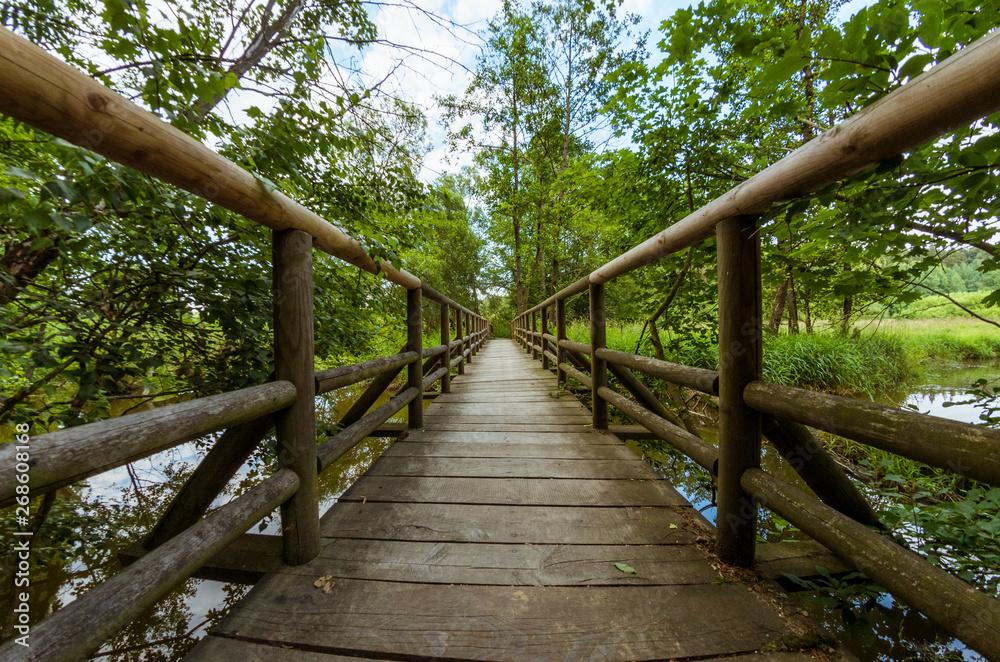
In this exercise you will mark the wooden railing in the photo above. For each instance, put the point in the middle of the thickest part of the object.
(41, 91)
(955, 93)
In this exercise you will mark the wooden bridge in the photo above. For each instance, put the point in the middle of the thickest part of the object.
(493, 533)
(494, 530)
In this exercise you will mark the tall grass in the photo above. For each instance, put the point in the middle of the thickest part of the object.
(957, 339)
(866, 364)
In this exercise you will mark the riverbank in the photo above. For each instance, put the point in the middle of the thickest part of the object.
(882, 355)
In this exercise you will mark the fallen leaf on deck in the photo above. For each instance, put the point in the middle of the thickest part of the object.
(625, 567)
(325, 583)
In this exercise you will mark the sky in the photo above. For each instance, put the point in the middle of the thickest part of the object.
(456, 48)
(451, 52)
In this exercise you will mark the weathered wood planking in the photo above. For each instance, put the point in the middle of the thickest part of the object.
(512, 437)
(508, 622)
(494, 533)
(561, 451)
(446, 522)
(491, 467)
(512, 491)
(509, 565)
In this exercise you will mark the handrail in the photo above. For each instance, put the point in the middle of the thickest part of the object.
(46, 93)
(75, 631)
(72, 454)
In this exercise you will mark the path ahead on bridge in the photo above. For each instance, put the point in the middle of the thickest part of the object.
(494, 533)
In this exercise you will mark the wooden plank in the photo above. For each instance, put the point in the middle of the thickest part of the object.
(509, 524)
(507, 427)
(584, 436)
(555, 451)
(493, 396)
(630, 468)
(513, 491)
(504, 622)
(509, 565)
(505, 419)
(214, 649)
(446, 407)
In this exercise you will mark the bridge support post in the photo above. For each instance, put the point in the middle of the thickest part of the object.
(415, 370)
(293, 361)
(560, 336)
(459, 334)
(525, 329)
(470, 343)
(534, 330)
(545, 343)
(446, 355)
(740, 362)
(598, 367)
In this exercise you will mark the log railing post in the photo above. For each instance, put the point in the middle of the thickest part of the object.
(470, 343)
(534, 330)
(740, 363)
(544, 342)
(446, 355)
(293, 361)
(415, 343)
(560, 336)
(525, 328)
(459, 334)
(598, 367)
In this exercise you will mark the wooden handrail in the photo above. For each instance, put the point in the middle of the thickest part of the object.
(71, 454)
(962, 448)
(47, 93)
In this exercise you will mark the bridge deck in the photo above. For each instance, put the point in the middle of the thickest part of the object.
(494, 533)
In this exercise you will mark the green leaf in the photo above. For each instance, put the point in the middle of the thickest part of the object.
(783, 69)
(21, 173)
(59, 189)
(11, 194)
(626, 568)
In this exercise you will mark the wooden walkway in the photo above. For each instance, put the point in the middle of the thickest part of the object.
(494, 533)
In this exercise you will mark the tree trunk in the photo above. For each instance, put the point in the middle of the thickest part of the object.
(778, 310)
(845, 322)
(793, 311)
(809, 321)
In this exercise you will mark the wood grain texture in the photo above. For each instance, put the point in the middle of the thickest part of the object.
(574, 436)
(443, 522)
(632, 468)
(554, 451)
(513, 491)
(510, 622)
(490, 564)
(66, 456)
